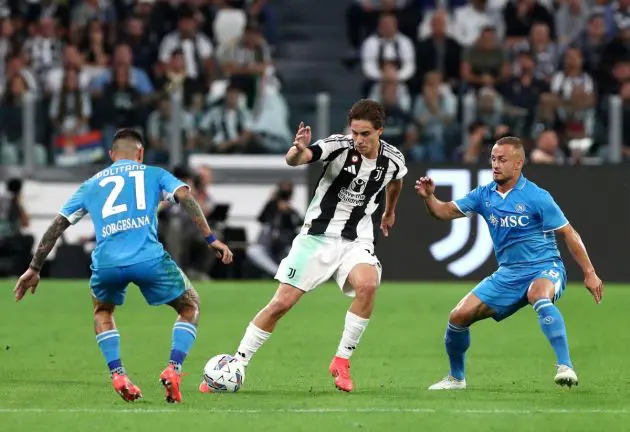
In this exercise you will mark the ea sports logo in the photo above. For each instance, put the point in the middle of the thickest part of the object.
(358, 185)
(461, 229)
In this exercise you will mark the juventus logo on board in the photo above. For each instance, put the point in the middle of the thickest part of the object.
(459, 180)
(351, 169)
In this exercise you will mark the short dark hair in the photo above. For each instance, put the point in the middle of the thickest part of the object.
(370, 110)
(129, 134)
(14, 185)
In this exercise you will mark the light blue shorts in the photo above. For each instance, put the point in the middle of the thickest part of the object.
(505, 291)
(160, 280)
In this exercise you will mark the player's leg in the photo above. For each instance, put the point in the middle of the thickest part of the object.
(308, 264)
(364, 280)
(108, 290)
(184, 332)
(541, 294)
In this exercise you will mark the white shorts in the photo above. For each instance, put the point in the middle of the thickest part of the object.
(313, 260)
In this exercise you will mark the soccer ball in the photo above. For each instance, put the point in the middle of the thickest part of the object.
(224, 373)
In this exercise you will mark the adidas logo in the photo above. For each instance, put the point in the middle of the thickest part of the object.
(351, 169)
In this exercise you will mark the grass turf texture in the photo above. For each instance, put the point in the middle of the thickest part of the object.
(54, 378)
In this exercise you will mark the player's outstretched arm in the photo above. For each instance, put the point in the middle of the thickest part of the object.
(299, 153)
(576, 246)
(441, 210)
(30, 278)
(186, 200)
(392, 192)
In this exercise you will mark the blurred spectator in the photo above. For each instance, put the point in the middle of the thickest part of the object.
(362, 17)
(388, 45)
(390, 74)
(70, 113)
(43, 51)
(398, 127)
(547, 149)
(617, 51)
(470, 20)
(15, 66)
(95, 48)
(621, 11)
(261, 12)
(8, 44)
(490, 124)
(592, 42)
(246, 60)
(123, 61)
(36, 10)
(71, 60)
(485, 63)
(544, 51)
(15, 247)
(434, 109)
(159, 130)
(523, 91)
(439, 52)
(11, 125)
(575, 91)
(280, 224)
(175, 78)
(85, 11)
(571, 16)
(520, 15)
(227, 127)
(196, 46)
(143, 50)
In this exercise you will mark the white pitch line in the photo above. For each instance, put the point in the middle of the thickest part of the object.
(307, 411)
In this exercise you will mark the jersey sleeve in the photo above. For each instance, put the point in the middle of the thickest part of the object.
(470, 203)
(75, 209)
(169, 184)
(327, 149)
(552, 216)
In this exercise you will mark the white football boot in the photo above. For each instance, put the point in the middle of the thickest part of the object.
(566, 376)
(449, 383)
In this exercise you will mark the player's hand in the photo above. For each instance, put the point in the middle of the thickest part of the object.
(387, 222)
(302, 137)
(594, 284)
(222, 251)
(425, 187)
(28, 280)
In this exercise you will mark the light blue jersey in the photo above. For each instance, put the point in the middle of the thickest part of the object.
(522, 224)
(122, 201)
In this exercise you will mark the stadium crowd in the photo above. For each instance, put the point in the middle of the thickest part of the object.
(93, 66)
(539, 69)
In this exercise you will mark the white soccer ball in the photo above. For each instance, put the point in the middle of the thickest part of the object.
(224, 373)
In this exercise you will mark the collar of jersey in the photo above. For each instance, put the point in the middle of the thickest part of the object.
(520, 184)
(123, 161)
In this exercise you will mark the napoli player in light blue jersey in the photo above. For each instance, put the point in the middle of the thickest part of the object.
(523, 220)
(122, 201)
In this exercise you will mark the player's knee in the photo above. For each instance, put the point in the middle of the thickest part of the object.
(281, 303)
(539, 290)
(366, 288)
(460, 317)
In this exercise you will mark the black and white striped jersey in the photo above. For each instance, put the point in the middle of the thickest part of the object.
(349, 189)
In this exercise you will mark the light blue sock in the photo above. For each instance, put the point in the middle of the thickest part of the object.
(184, 335)
(457, 341)
(553, 327)
(109, 344)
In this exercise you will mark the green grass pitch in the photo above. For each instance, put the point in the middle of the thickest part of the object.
(53, 378)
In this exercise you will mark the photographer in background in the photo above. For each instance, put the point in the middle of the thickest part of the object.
(15, 247)
(280, 224)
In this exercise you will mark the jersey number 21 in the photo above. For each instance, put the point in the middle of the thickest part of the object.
(109, 208)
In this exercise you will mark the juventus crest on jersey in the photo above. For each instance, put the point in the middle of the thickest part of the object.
(349, 189)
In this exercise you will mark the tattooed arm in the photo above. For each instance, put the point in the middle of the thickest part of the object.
(30, 278)
(52, 234)
(187, 201)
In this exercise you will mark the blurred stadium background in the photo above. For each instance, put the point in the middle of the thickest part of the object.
(218, 87)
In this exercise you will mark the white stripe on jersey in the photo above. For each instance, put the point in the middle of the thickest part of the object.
(346, 194)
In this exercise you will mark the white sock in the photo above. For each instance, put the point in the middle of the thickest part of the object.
(352, 331)
(252, 340)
